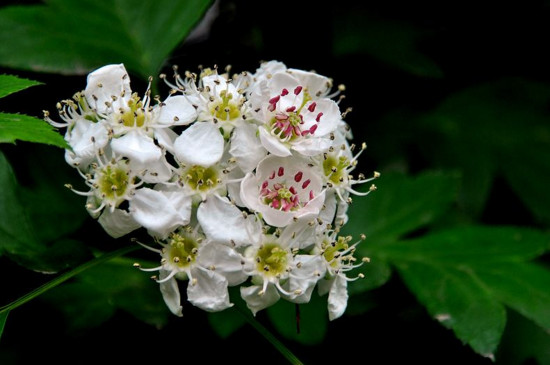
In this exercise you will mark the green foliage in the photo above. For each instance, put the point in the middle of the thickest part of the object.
(465, 135)
(26, 233)
(95, 295)
(226, 322)
(10, 84)
(3, 318)
(83, 35)
(22, 127)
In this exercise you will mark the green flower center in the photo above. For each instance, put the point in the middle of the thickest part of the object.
(335, 168)
(201, 178)
(113, 182)
(272, 259)
(182, 250)
(134, 116)
(332, 250)
(227, 108)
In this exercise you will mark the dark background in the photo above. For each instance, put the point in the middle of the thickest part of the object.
(471, 42)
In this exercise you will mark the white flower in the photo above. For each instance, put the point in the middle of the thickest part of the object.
(133, 123)
(277, 270)
(338, 259)
(209, 267)
(218, 99)
(291, 120)
(283, 190)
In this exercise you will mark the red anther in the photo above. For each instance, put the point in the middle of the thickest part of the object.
(292, 190)
(264, 184)
(298, 90)
(281, 171)
(311, 195)
(275, 204)
(313, 129)
(297, 131)
(272, 176)
(284, 92)
(290, 109)
(281, 116)
(298, 176)
(277, 186)
(306, 183)
(286, 205)
(319, 117)
(312, 106)
(274, 100)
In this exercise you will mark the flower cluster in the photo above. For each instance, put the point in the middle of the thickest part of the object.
(240, 181)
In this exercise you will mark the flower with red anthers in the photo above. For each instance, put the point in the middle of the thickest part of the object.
(283, 190)
(292, 119)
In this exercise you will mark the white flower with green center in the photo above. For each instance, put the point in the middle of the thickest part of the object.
(291, 120)
(133, 123)
(337, 255)
(278, 271)
(337, 165)
(218, 99)
(85, 133)
(210, 268)
(283, 190)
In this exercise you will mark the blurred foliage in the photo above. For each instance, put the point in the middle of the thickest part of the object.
(453, 100)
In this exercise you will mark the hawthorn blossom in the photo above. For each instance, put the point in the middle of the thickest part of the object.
(209, 267)
(291, 120)
(283, 190)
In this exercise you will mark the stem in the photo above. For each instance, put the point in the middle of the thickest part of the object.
(66, 276)
(269, 336)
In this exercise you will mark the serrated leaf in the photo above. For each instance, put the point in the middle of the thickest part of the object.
(401, 205)
(458, 301)
(471, 245)
(313, 320)
(465, 276)
(139, 34)
(390, 41)
(10, 84)
(496, 127)
(29, 129)
(521, 286)
(18, 237)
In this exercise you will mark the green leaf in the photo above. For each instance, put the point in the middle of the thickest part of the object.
(498, 127)
(139, 34)
(391, 41)
(400, 206)
(458, 301)
(523, 343)
(18, 237)
(313, 320)
(3, 318)
(25, 128)
(377, 272)
(10, 84)
(521, 286)
(226, 322)
(466, 275)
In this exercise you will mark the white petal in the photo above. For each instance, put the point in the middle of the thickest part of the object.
(250, 191)
(208, 291)
(315, 83)
(117, 223)
(136, 146)
(312, 146)
(165, 138)
(246, 147)
(304, 278)
(273, 144)
(153, 172)
(87, 137)
(337, 297)
(226, 260)
(106, 82)
(222, 221)
(200, 144)
(312, 208)
(171, 293)
(160, 212)
(176, 110)
(256, 302)
(328, 122)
